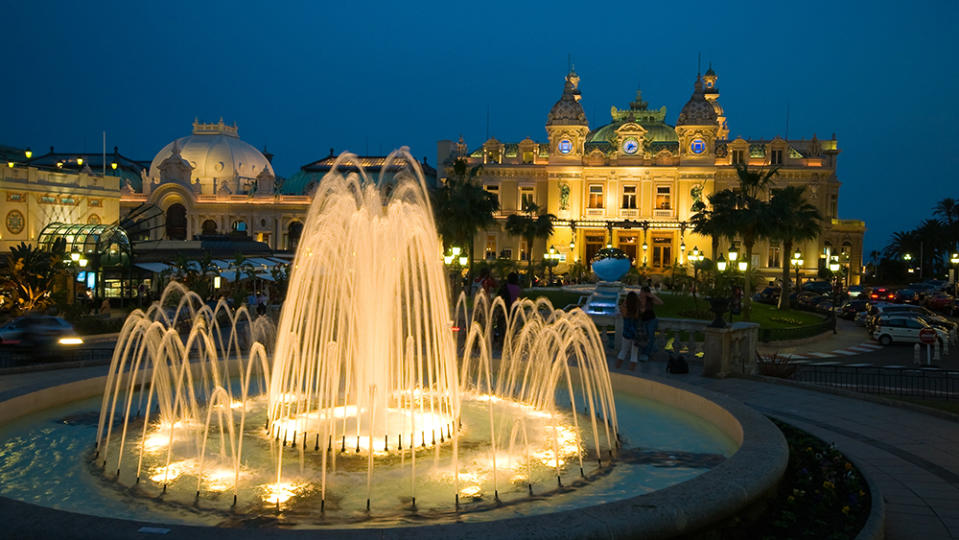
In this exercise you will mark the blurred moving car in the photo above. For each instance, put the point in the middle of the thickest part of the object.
(901, 329)
(807, 299)
(42, 333)
(856, 292)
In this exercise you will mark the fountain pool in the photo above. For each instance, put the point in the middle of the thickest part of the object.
(370, 403)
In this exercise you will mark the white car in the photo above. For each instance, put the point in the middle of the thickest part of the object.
(904, 329)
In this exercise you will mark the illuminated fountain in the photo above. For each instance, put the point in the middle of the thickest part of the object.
(368, 396)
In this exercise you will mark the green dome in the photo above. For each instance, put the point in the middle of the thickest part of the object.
(655, 132)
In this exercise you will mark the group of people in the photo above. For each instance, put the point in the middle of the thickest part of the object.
(257, 302)
(510, 291)
(639, 323)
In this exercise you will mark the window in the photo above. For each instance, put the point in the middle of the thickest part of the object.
(493, 190)
(95, 202)
(525, 197)
(776, 158)
(506, 253)
(629, 197)
(662, 198)
(774, 257)
(176, 222)
(662, 252)
(523, 252)
(293, 232)
(595, 196)
(490, 246)
(739, 157)
(833, 205)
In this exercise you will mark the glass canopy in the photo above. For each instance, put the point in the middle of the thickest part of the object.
(107, 245)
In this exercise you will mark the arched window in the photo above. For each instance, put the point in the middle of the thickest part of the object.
(209, 227)
(176, 222)
(294, 231)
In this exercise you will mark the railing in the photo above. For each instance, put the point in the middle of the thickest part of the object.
(929, 383)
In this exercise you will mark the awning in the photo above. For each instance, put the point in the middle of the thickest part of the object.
(155, 267)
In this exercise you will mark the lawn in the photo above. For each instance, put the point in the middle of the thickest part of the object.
(684, 307)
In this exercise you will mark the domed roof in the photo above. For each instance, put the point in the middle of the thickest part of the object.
(567, 111)
(655, 132)
(215, 151)
(697, 111)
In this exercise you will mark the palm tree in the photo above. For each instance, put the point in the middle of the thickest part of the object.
(793, 220)
(30, 273)
(530, 225)
(461, 207)
(948, 209)
(716, 222)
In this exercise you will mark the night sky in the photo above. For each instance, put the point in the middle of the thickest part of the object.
(303, 77)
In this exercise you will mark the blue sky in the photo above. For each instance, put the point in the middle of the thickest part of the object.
(302, 77)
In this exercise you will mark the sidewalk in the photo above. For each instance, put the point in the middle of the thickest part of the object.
(911, 456)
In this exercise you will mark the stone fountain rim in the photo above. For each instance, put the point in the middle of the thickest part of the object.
(751, 473)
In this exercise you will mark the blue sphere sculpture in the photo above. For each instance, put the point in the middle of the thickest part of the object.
(610, 264)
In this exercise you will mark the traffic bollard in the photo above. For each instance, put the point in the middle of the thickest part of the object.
(915, 354)
(935, 353)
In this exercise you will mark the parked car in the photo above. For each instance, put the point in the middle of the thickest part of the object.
(906, 296)
(769, 295)
(807, 299)
(882, 294)
(821, 287)
(938, 284)
(823, 305)
(850, 309)
(39, 333)
(940, 301)
(900, 329)
(920, 311)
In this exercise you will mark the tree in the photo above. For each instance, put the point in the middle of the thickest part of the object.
(530, 225)
(461, 207)
(793, 220)
(30, 274)
(715, 221)
(948, 209)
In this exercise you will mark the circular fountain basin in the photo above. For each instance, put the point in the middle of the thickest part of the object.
(688, 461)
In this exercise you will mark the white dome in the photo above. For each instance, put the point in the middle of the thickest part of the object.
(214, 151)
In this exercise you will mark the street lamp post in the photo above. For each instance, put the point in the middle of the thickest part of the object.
(797, 262)
(694, 257)
(836, 290)
(955, 276)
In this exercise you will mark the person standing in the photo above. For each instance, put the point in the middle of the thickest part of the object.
(648, 320)
(630, 312)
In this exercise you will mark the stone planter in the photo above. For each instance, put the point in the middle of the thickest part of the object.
(718, 306)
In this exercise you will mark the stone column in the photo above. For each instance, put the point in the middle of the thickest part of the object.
(731, 350)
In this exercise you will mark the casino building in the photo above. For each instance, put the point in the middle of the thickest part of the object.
(632, 181)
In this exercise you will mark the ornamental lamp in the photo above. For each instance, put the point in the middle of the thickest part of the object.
(216, 282)
(456, 251)
(743, 265)
(10, 164)
(955, 258)
(721, 264)
(834, 264)
(733, 253)
(448, 259)
(75, 256)
(80, 161)
(83, 262)
(113, 165)
(28, 153)
(463, 260)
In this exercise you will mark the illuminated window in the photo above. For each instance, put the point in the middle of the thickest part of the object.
(565, 146)
(595, 196)
(739, 157)
(662, 198)
(774, 257)
(525, 197)
(490, 246)
(629, 197)
(698, 146)
(523, 252)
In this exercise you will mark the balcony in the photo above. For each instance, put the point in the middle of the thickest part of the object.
(595, 212)
(628, 213)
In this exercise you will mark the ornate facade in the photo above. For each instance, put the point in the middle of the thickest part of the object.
(633, 181)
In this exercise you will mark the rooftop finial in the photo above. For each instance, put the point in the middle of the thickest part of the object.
(699, 63)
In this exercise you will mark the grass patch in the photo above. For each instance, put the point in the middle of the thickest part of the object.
(681, 306)
(822, 495)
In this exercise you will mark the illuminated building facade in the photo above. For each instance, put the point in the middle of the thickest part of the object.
(633, 182)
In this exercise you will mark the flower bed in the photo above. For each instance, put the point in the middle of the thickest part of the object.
(822, 495)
